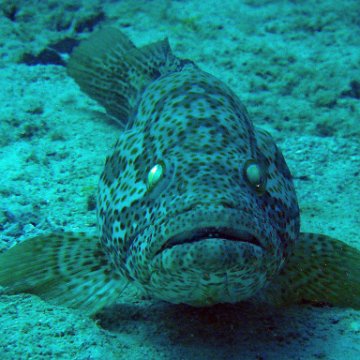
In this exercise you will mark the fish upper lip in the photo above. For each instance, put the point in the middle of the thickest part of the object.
(211, 232)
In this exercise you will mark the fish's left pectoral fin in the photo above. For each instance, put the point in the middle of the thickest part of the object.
(320, 270)
(67, 269)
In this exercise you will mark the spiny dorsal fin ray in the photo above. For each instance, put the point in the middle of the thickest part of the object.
(111, 70)
(321, 269)
(65, 268)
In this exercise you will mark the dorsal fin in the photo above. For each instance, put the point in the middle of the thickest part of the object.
(110, 69)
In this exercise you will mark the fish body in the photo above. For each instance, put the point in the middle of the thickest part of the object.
(195, 204)
(204, 233)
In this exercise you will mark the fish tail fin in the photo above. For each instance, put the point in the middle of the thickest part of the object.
(321, 270)
(65, 268)
(113, 71)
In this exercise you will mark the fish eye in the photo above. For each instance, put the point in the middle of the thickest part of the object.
(255, 176)
(155, 175)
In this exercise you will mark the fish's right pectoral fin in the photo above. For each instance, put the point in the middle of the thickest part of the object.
(64, 268)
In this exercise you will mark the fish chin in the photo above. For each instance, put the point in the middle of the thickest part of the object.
(208, 271)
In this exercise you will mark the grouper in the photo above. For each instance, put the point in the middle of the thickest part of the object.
(195, 204)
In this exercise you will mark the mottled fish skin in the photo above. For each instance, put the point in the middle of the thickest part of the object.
(198, 130)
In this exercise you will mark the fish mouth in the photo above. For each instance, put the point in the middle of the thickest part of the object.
(206, 233)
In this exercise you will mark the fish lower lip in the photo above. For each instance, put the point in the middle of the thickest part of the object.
(211, 233)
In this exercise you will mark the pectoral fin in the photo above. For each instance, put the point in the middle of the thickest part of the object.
(321, 269)
(65, 268)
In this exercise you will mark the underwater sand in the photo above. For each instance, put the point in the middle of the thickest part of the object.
(295, 65)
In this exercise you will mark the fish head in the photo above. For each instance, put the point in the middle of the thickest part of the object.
(195, 205)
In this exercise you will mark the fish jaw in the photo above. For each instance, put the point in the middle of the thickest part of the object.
(212, 255)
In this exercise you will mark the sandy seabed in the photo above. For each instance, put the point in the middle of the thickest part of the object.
(295, 65)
